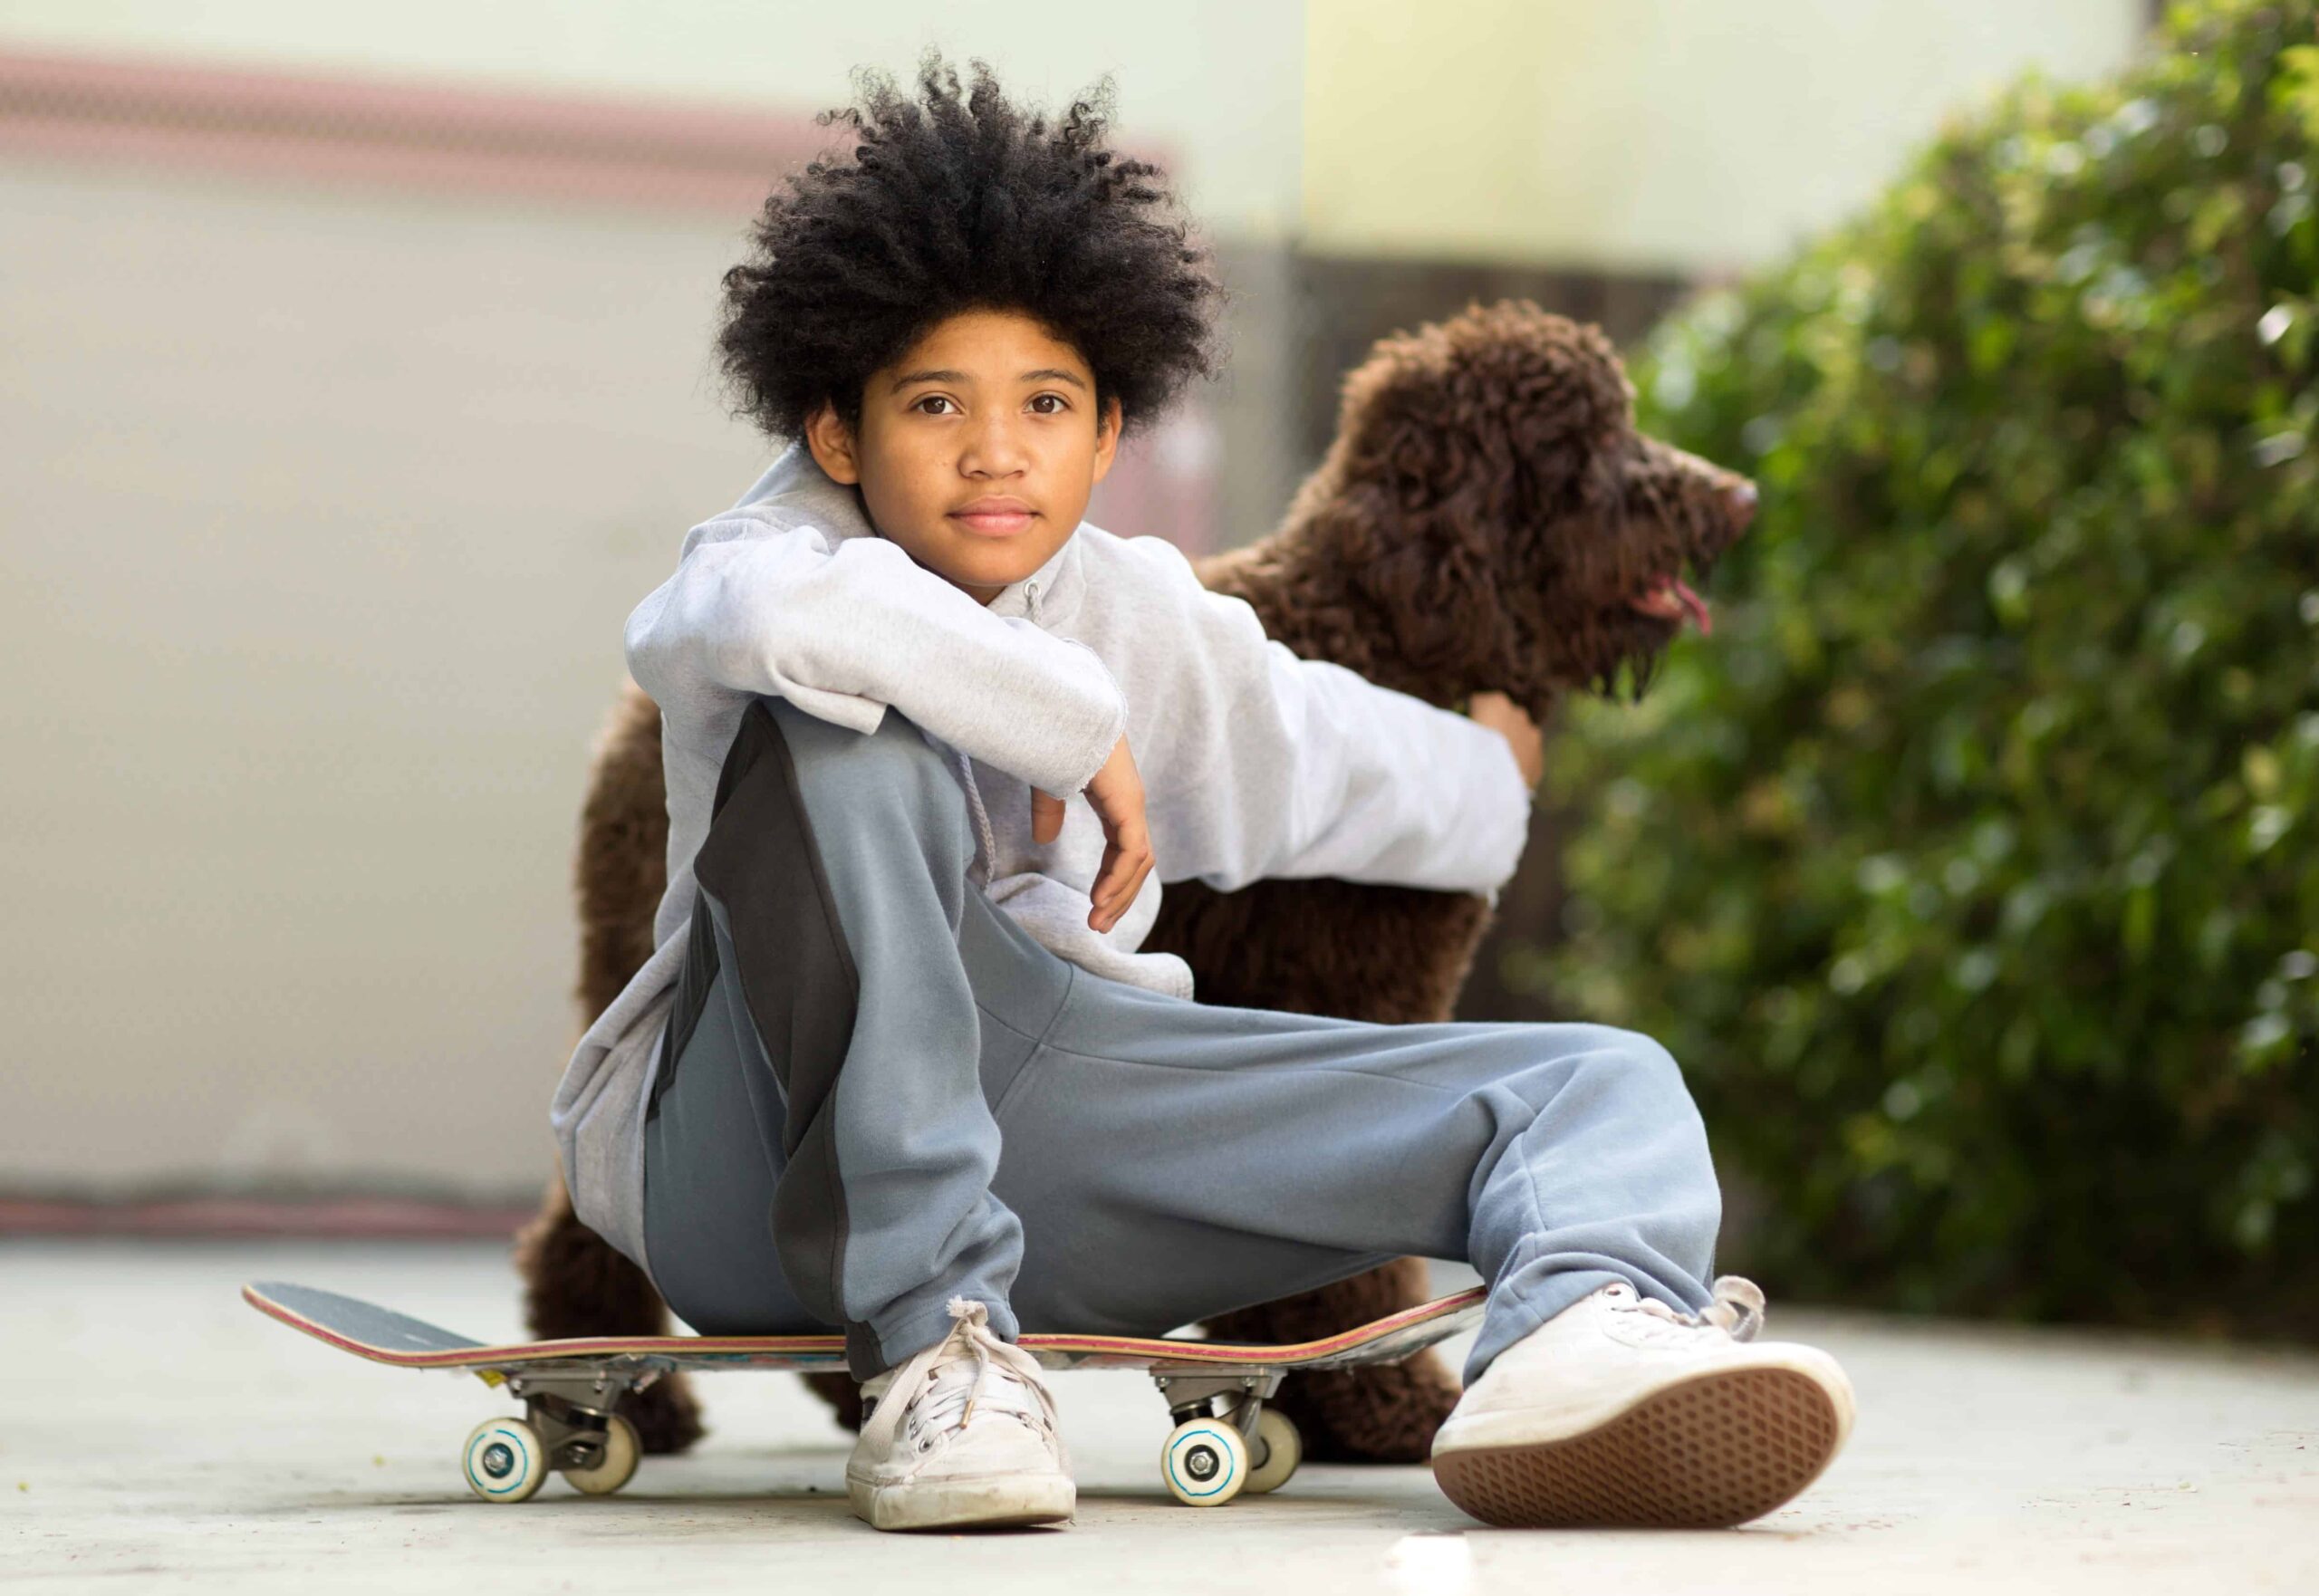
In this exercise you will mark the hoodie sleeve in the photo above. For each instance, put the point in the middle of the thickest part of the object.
(843, 632)
(1256, 763)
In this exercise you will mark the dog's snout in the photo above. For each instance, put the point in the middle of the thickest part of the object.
(1742, 500)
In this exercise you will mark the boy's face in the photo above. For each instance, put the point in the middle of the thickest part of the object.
(988, 405)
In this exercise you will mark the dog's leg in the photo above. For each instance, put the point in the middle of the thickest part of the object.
(841, 1394)
(575, 1285)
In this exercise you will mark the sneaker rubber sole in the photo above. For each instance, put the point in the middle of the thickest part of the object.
(1002, 1503)
(1715, 1450)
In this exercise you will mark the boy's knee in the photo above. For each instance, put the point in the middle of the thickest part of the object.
(870, 774)
(1650, 1091)
(1643, 1068)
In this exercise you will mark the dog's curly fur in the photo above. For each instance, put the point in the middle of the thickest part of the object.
(1481, 523)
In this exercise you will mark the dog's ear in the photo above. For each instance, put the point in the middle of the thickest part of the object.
(1566, 404)
(1482, 458)
(1437, 557)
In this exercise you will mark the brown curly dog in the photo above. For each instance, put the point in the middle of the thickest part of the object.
(1487, 519)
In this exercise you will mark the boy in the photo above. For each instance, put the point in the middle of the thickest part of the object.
(910, 706)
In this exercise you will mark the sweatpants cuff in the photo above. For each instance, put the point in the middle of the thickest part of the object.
(872, 1350)
(1510, 1315)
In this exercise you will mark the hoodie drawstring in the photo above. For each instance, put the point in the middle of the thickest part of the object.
(989, 839)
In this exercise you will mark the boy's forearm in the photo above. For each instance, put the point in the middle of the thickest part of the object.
(1050, 718)
(843, 634)
(1464, 789)
(1369, 784)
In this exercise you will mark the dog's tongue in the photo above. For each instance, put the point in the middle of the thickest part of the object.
(1696, 605)
(1674, 598)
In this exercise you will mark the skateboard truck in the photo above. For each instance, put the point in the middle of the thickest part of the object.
(1193, 1395)
(571, 1426)
(572, 1413)
(1226, 1440)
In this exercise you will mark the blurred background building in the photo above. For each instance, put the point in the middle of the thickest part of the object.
(354, 381)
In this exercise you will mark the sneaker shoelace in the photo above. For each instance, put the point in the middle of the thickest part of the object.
(1735, 1308)
(974, 1369)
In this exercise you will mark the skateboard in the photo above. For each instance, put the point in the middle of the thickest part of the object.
(1224, 1442)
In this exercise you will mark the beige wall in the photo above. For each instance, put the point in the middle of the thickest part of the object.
(1214, 83)
(320, 514)
(1645, 135)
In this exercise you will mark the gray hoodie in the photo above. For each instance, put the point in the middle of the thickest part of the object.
(1255, 763)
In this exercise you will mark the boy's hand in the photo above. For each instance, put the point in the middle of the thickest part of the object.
(1116, 795)
(1502, 716)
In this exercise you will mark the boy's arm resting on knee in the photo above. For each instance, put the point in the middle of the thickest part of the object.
(842, 632)
(1259, 762)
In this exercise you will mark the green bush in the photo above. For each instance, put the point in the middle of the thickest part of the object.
(1972, 866)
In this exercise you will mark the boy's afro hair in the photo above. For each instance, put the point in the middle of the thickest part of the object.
(958, 203)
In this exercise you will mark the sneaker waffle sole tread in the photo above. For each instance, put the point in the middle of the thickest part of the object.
(1715, 1451)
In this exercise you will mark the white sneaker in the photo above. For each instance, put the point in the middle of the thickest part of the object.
(963, 1432)
(1620, 1411)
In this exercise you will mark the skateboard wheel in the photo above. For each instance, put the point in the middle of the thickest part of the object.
(1279, 1450)
(505, 1460)
(616, 1466)
(1205, 1462)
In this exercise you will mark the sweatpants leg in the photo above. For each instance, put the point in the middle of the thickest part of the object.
(1171, 1160)
(1080, 1153)
(819, 1138)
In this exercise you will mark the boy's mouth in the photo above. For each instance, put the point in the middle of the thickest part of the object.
(994, 523)
(994, 514)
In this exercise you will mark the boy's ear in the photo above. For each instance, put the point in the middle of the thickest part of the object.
(1107, 435)
(833, 445)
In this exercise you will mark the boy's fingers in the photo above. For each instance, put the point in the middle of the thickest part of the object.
(1120, 894)
(1115, 886)
(1123, 857)
(1100, 899)
(1119, 886)
(1117, 902)
(1117, 865)
(1117, 797)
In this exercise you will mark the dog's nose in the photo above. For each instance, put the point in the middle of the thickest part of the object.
(1742, 506)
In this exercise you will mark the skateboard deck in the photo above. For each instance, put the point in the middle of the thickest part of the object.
(385, 1336)
(1225, 1441)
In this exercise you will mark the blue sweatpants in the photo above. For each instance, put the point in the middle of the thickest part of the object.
(876, 1092)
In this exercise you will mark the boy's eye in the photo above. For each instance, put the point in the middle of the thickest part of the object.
(1059, 405)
